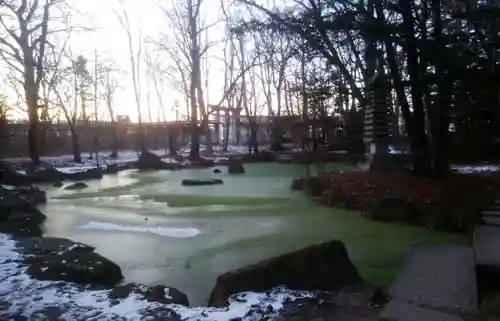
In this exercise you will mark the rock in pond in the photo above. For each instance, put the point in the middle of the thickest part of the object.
(201, 181)
(217, 171)
(235, 166)
(319, 267)
(158, 293)
(57, 184)
(76, 186)
(63, 260)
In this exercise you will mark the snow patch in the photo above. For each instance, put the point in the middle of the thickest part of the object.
(77, 169)
(9, 187)
(476, 169)
(30, 297)
(175, 232)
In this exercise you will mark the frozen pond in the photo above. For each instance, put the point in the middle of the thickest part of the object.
(160, 232)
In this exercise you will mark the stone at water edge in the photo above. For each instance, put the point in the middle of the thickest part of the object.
(9, 176)
(22, 194)
(235, 166)
(319, 267)
(21, 221)
(50, 245)
(74, 266)
(217, 171)
(76, 186)
(158, 293)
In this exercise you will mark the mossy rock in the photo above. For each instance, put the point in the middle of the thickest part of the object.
(201, 181)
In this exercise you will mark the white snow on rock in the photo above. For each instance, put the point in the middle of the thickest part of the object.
(29, 297)
(175, 232)
(472, 169)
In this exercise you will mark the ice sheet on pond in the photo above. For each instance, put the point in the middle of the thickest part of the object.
(176, 232)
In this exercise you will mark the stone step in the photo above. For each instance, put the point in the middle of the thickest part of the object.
(491, 220)
(487, 247)
(398, 310)
(441, 277)
(491, 213)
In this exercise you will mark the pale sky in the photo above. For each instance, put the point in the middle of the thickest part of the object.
(109, 40)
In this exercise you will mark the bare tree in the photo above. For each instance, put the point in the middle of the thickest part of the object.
(4, 114)
(135, 67)
(65, 85)
(108, 77)
(23, 40)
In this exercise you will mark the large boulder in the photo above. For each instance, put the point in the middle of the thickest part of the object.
(158, 293)
(44, 175)
(63, 260)
(20, 219)
(201, 181)
(36, 246)
(9, 176)
(319, 267)
(22, 194)
(235, 166)
(93, 173)
(149, 161)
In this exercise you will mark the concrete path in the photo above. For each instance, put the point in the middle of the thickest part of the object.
(398, 310)
(441, 277)
(487, 246)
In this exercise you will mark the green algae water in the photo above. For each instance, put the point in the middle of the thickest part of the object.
(160, 232)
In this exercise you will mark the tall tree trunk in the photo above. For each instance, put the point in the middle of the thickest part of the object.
(439, 117)
(33, 118)
(75, 145)
(195, 61)
(422, 163)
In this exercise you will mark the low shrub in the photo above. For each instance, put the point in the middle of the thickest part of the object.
(451, 204)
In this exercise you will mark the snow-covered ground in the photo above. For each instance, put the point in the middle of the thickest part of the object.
(474, 169)
(30, 297)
